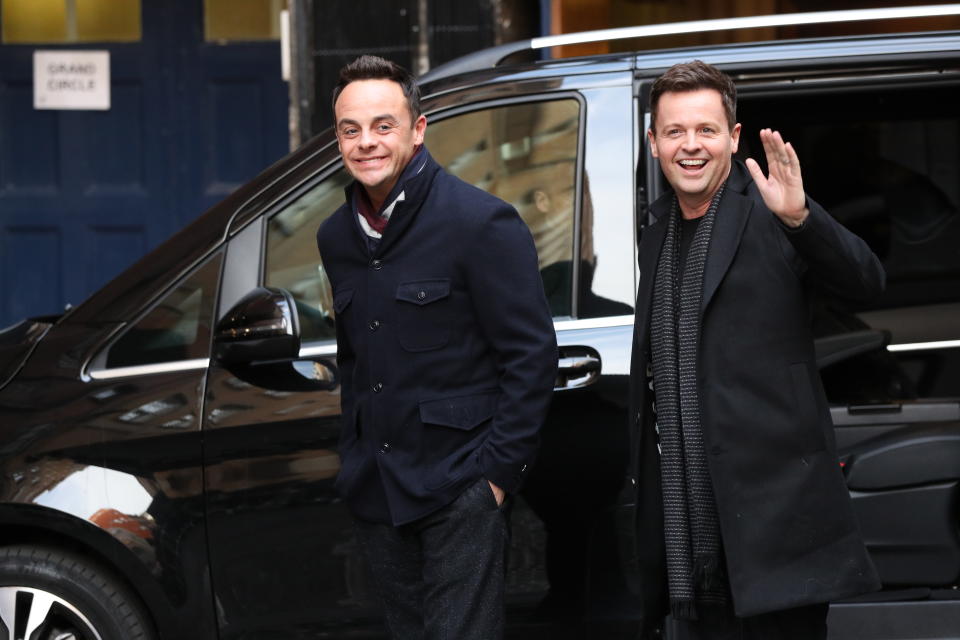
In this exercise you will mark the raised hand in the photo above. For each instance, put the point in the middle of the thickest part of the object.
(782, 191)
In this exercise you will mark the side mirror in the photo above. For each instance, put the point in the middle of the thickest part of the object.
(261, 326)
(258, 341)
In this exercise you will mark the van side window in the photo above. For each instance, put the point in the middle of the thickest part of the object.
(178, 327)
(525, 154)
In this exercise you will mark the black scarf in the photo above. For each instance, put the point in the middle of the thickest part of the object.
(691, 526)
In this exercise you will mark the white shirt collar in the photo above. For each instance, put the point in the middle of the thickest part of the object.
(370, 231)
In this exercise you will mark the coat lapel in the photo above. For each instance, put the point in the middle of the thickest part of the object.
(731, 220)
(651, 243)
(349, 216)
(415, 185)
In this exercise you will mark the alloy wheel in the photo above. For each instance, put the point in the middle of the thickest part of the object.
(33, 614)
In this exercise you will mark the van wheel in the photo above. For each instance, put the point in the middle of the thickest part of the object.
(49, 594)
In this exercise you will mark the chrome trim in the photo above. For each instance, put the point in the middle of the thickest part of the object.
(147, 369)
(329, 349)
(593, 323)
(192, 365)
(752, 22)
(921, 346)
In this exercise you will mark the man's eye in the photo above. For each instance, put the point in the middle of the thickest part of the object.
(673, 133)
(349, 132)
(384, 127)
(708, 130)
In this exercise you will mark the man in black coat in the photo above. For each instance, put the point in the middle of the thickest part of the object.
(755, 525)
(448, 359)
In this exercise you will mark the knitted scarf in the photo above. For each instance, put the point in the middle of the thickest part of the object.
(691, 526)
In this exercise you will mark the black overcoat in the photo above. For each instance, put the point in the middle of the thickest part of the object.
(445, 344)
(789, 532)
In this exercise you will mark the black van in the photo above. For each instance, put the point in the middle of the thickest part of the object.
(168, 447)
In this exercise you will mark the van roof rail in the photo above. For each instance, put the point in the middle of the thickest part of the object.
(493, 56)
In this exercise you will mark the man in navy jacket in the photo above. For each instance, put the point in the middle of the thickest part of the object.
(448, 359)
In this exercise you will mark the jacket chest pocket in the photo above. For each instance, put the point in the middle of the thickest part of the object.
(423, 316)
(346, 315)
(341, 301)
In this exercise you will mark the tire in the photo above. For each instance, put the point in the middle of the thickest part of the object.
(49, 594)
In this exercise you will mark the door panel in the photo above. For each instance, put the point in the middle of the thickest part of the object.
(234, 112)
(28, 163)
(24, 238)
(189, 122)
(79, 178)
(282, 553)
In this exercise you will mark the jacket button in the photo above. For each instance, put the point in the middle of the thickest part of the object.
(374, 325)
(421, 295)
(385, 448)
(377, 265)
(377, 388)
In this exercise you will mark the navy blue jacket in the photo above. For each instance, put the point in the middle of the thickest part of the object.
(445, 344)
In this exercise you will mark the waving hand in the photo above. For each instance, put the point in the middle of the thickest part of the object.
(782, 191)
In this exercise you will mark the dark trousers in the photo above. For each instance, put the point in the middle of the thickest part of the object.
(801, 623)
(442, 577)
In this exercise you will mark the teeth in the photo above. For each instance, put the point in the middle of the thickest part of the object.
(693, 163)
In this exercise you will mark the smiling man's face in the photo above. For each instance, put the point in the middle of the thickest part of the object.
(694, 143)
(376, 134)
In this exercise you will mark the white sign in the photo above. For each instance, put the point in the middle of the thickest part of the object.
(71, 79)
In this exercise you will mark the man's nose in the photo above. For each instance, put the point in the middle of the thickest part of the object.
(691, 140)
(367, 138)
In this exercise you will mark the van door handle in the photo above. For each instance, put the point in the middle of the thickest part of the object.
(577, 367)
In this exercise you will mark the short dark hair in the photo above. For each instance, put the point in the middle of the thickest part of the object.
(693, 76)
(377, 68)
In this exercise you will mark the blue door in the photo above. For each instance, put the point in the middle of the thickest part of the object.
(83, 194)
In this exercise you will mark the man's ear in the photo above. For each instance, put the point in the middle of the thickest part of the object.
(735, 138)
(419, 127)
(653, 142)
(542, 201)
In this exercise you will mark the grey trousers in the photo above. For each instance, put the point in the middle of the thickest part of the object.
(442, 577)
